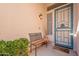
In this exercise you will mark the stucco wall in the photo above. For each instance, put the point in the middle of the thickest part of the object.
(17, 20)
(76, 20)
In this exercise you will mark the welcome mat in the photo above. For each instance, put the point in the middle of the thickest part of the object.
(66, 50)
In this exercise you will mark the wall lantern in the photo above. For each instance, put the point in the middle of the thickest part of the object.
(40, 16)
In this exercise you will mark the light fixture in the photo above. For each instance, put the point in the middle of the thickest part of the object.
(40, 16)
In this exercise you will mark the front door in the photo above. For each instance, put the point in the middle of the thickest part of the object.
(64, 26)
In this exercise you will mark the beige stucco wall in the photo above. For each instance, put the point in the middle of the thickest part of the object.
(76, 20)
(17, 20)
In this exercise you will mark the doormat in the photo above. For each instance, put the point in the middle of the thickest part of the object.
(66, 50)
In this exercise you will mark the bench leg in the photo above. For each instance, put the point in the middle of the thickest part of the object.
(31, 48)
(35, 50)
(46, 44)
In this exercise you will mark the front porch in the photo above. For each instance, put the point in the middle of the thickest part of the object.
(50, 51)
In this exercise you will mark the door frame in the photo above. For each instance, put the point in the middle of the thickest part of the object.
(69, 5)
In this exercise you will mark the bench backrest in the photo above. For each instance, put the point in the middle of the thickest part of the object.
(35, 36)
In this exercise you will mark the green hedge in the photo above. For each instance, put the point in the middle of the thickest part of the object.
(18, 47)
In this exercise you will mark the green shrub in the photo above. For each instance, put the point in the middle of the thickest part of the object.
(18, 47)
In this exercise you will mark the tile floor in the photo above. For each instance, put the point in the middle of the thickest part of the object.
(49, 51)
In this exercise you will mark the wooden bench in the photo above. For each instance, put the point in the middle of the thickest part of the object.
(36, 39)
